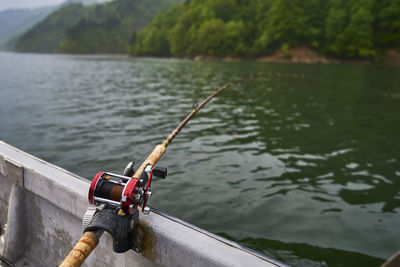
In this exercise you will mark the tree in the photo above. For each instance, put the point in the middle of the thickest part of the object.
(349, 28)
(358, 35)
(152, 40)
(342, 28)
(286, 22)
(387, 30)
(210, 37)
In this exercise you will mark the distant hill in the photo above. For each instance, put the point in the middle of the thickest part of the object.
(46, 35)
(86, 2)
(16, 21)
(101, 28)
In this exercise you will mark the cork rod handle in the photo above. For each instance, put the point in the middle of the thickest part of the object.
(152, 159)
(81, 251)
(89, 240)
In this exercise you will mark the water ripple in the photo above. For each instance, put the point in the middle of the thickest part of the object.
(311, 160)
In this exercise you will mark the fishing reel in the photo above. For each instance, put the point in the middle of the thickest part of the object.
(115, 200)
(123, 192)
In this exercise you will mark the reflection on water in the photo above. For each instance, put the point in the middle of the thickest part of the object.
(297, 254)
(308, 154)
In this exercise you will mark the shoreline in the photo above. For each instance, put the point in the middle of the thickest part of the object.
(296, 55)
(304, 55)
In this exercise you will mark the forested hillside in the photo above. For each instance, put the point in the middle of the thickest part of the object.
(341, 28)
(102, 28)
(46, 36)
(14, 22)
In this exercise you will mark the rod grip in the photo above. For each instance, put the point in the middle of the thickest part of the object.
(81, 251)
(152, 159)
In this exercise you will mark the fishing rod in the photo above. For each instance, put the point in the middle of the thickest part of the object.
(115, 199)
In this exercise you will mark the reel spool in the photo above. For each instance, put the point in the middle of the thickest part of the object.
(123, 192)
(116, 191)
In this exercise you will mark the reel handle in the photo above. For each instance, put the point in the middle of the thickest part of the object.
(82, 250)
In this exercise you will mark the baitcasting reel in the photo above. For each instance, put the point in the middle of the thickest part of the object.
(116, 199)
(123, 192)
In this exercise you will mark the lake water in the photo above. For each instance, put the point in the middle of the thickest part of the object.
(302, 164)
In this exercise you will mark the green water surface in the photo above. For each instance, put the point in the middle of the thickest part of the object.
(302, 164)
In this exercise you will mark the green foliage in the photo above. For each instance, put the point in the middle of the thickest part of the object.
(152, 40)
(387, 27)
(90, 37)
(287, 22)
(210, 38)
(359, 32)
(349, 28)
(342, 28)
(285, 51)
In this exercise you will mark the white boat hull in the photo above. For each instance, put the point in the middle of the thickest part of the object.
(41, 206)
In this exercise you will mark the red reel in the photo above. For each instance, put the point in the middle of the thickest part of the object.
(117, 191)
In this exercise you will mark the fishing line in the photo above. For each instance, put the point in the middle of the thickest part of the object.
(126, 199)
